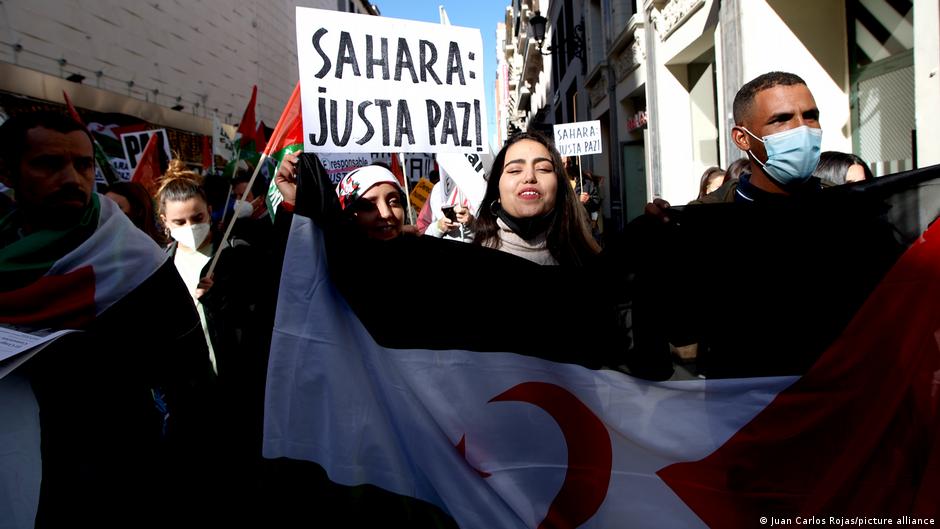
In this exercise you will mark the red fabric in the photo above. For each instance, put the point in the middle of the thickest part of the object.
(147, 172)
(397, 171)
(424, 217)
(206, 153)
(857, 435)
(260, 140)
(73, 308)
(290, 128)
(247, 126)
(72, 111)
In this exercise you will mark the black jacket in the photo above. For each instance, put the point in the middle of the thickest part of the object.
(110, 456)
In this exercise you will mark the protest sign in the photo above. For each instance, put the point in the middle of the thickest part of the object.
(417, 165)
(338, 165)
(222, 143)
(378, 84)
(135, 142)
(421, 192)
(121, 168)
(578, 139)
(469, 174)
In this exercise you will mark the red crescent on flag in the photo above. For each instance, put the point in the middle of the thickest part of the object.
(590, 455)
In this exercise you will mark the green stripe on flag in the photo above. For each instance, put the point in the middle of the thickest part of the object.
(274, 197)
(104, 163)
(29, 257)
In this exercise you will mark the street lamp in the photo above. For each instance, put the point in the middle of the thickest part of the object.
(538, 27)
(575, 45)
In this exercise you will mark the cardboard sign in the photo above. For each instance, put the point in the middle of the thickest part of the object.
(578, 139)
(379, 84)
(419, 195)
(135, 142)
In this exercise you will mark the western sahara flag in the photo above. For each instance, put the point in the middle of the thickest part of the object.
(503, 439)
(68, 293)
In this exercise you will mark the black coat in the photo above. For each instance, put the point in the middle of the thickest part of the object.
(110, 457)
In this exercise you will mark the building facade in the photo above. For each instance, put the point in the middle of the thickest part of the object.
(174, 64)
(661, 76)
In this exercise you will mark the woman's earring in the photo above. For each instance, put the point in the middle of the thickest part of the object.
(494, 205)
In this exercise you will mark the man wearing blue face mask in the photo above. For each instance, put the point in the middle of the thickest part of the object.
(777, 125)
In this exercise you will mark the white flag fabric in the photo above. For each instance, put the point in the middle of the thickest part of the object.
(493, 439)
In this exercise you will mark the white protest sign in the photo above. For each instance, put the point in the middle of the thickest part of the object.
(339, 165)
(469, 172)
(222, 143)
(135, 142)
(121, 168)
(578, 139)
(378, 84)
(417, 165)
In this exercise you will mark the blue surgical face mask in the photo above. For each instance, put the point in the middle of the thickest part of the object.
(792, 155)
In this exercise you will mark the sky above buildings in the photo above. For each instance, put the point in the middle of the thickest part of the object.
(480, 14)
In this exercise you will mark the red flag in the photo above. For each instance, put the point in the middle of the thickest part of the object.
(397, 170)
(72, 111)
(247, 125)
(260, 140)
(290, 128)
(102, 160)
(148, 168)
(206, 152)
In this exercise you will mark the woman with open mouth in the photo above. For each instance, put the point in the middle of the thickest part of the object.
(530, 210)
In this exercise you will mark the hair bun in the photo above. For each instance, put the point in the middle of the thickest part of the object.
(178, 170)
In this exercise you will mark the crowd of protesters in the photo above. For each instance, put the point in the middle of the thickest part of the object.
(178, 384)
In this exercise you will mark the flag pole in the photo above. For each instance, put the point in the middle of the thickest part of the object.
(225, 207)
(580, 176)
(574, 106)
(231, 223)
(404, 173)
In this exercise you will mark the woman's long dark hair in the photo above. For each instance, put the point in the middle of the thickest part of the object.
(833, 166)
(568, 236)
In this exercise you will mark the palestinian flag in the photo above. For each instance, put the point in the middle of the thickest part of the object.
(102, 160)
(287, 138)
(250, 140)
(247, 127)
(147, 173)
(510, 406)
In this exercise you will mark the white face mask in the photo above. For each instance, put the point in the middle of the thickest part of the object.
(243, 209)
(191, 236)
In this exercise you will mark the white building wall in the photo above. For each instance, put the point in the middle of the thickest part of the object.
(807, 38)
(679, 133)
(206, 53)
(927, 80)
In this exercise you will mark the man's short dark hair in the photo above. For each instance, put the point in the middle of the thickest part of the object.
(745, 96)
(13, 132)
